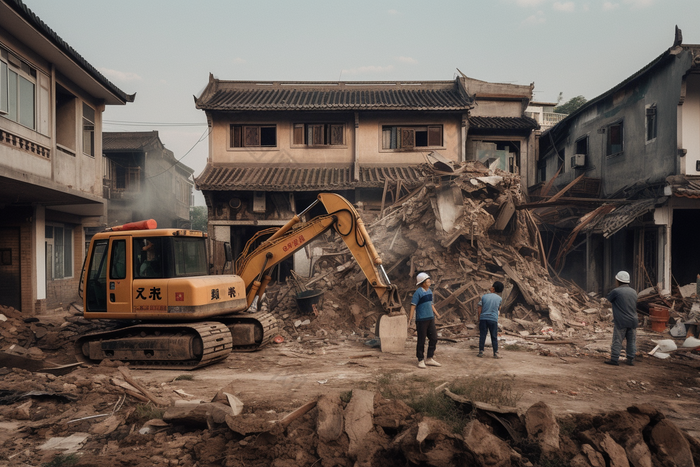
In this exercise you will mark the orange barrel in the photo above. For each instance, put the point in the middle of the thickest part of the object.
(659, 318)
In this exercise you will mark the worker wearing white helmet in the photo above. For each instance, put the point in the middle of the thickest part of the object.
(423, 312)
(624, 304)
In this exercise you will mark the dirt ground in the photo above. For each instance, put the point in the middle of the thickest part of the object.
(569, 378)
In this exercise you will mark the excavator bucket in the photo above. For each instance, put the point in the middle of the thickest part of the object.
(392, 328)
(393, 332)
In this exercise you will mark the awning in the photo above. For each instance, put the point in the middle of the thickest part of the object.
(622, 216)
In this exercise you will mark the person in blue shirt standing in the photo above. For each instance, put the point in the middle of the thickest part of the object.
(423, 312)
(489, 306)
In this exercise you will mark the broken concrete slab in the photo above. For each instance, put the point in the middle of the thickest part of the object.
(70, 444)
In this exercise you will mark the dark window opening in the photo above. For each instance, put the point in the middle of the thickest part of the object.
(318, 134)
(247, 136)
(582, 146)
(615, 139)
(651, 122)
(409, 137)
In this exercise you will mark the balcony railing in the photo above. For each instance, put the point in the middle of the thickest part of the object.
(551, 118)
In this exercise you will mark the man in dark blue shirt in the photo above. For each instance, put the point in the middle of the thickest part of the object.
(624, 303)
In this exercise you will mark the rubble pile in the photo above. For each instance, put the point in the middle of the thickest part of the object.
(52, 333)
(462, 228)
(358, 428)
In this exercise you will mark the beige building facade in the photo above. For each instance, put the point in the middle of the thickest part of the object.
(275, 145)
(51, 104)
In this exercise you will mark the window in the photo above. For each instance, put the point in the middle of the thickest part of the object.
(66, 117)
(61, 238)
(251, 136)
(410, 137)
(118, 261)
(582, 146)
(190, 257)
(17, 90)
(88, 130)
(651, 122)
(148, 253)
(127, 178)
(615, 139)
(318, 134)
(96, 291)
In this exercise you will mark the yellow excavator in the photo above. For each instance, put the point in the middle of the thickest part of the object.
(188, 318)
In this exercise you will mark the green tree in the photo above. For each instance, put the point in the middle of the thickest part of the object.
(570, 105)
(199, 217)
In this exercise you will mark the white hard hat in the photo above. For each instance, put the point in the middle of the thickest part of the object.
(420, 278)
(623, 276)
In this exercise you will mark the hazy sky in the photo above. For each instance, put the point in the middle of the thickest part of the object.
(164, 50)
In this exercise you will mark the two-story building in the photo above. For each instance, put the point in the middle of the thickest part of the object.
(51, 104)
(143, 180)
(639, 145)
(274, 146)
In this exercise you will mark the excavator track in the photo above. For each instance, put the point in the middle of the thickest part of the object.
(180, 346)
(251, 331)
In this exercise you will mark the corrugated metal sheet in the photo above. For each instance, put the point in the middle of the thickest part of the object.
(263, 96)
(503, 123)
(623, 215)
(217, 178)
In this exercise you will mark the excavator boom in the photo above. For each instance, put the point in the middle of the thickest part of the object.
(344, 219)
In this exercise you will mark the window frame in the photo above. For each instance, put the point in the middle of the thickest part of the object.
(25, 74)
(88, 130)
(609, 145)
(403, 138)
(321, 135)
(241, 134)
(62, 261)
(651, 116)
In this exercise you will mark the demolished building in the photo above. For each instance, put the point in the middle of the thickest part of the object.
(619, 180)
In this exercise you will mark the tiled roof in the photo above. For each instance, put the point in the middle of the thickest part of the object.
(218, 178)
(127, 140)
(264, 96)
(29, 16)
(503, 123)
(691, 190)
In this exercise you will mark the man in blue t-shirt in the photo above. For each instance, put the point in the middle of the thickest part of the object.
(489, 306)
(425, 314)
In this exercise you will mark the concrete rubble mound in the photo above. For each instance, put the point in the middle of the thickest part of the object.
(462, 227)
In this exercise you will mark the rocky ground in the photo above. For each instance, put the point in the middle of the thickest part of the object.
(338, 400)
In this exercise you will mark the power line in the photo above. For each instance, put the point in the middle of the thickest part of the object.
(161, 124)
(201, 138)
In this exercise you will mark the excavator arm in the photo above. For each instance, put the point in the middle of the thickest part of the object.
(254, 267)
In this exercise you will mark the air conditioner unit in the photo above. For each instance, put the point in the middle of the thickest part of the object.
(578, 160)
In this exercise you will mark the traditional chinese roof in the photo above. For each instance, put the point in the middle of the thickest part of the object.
(503, 123)
(128, 140)
(222, 95)
(265, 178)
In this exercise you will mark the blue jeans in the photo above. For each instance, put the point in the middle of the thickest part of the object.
(426, 329)
(618, 335)
(492, 328)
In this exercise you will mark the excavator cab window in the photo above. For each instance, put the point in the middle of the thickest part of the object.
(118, 261)
(149, 257)
(190, 258)
(96, 288)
